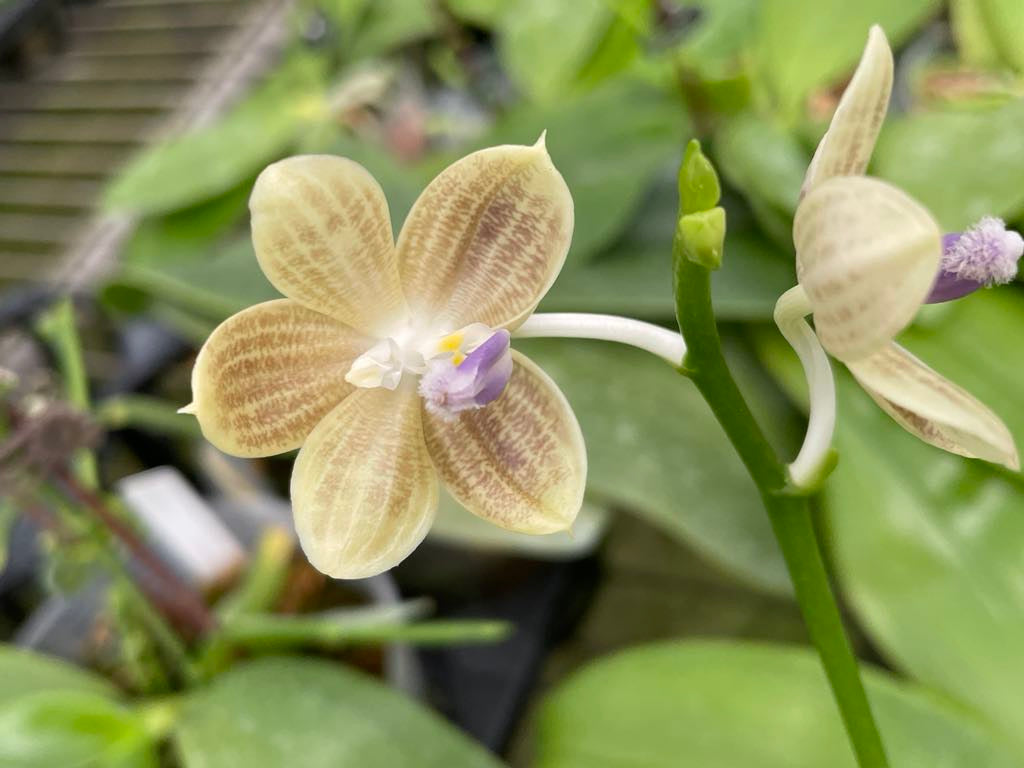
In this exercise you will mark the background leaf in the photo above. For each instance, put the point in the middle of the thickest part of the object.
(655, 449)
(609, 144)
(276, 711)
(24, 672)
(962, 164)
(805, 44)
(545, 64)
(723, 705)
(209, 162)
(72, 729)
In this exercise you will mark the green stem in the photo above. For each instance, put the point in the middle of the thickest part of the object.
(270, 632)
(790, 515)
(57, 327)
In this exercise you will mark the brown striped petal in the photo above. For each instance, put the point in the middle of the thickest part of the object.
(933, 408)
(486, 239)
(322, 234)
(519, 461)
(846, 147)
(363, 490)
(267, 375)
(867, 255)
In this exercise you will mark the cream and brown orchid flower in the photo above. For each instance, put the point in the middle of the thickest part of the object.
(388, 364)
(868, 256)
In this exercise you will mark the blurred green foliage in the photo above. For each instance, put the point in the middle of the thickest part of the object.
(926, 546)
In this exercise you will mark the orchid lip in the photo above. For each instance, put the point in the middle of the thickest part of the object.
(448, 388)
(984, 254)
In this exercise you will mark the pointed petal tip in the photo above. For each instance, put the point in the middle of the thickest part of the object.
(188, 410)
(541, 142)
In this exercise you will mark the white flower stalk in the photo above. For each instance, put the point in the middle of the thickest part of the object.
(388, 364)
(867, 257)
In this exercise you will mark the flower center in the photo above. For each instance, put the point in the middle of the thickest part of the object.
(459, 371)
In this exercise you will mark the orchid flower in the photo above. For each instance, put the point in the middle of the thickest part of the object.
(868, 256)
(388, 364)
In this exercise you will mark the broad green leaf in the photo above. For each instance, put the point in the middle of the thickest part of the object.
(279, 712)
(622, 42)
(723, 31)
(805, 44)
(211, 161)
(762, 160)
(25, 672)
(608, 144)
(726, 705)
(1005, 22)
(973, 40)
(544, 45)
(634, 276)
(388, 24)
(961, 164)
(926, 544)
(73, 729)
(482, 13)
(455, 525)
(654, 448)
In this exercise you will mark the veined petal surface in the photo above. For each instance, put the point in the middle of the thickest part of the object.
(933, 408)
(846, 147)
(322, 234)
(486, 239)
(520, 461)
(364, 492)
(867, 255)
(268, 374)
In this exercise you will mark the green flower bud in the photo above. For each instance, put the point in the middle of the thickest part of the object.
(701, 236)
(698, 183)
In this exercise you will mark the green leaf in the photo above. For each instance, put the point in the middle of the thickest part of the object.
(209, 162)
(655, 449)
(973, 40)
(724, 705)
(608, 144)
(634, 276)
(723, 31)
(805, 44)
(762, 160)
(961, 164)
(1005, 22)
(274, 712)
(25, 672)
(926, 544)
(385, 25)
(455, 525)
(544, 45)
(482, 13)
(73, 729)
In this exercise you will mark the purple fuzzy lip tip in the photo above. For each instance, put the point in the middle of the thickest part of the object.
(449, 389)
(985, 254)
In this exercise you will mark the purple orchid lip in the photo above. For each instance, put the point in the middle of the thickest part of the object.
(985, 254)
(449, 389)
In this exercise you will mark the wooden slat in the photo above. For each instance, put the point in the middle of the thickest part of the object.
(128, 69)
(38, 228)
(18, 265)
(105, 17)
(49, 192)
(76, 128)
(147, 43)
(88, 97)
(83, 160)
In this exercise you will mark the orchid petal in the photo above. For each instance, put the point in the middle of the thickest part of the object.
(519, 462)
(364, 492)
(322, 234)
(486, 239)
(867, 255)
(847, 145)
(268, 374)
(933, 408)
